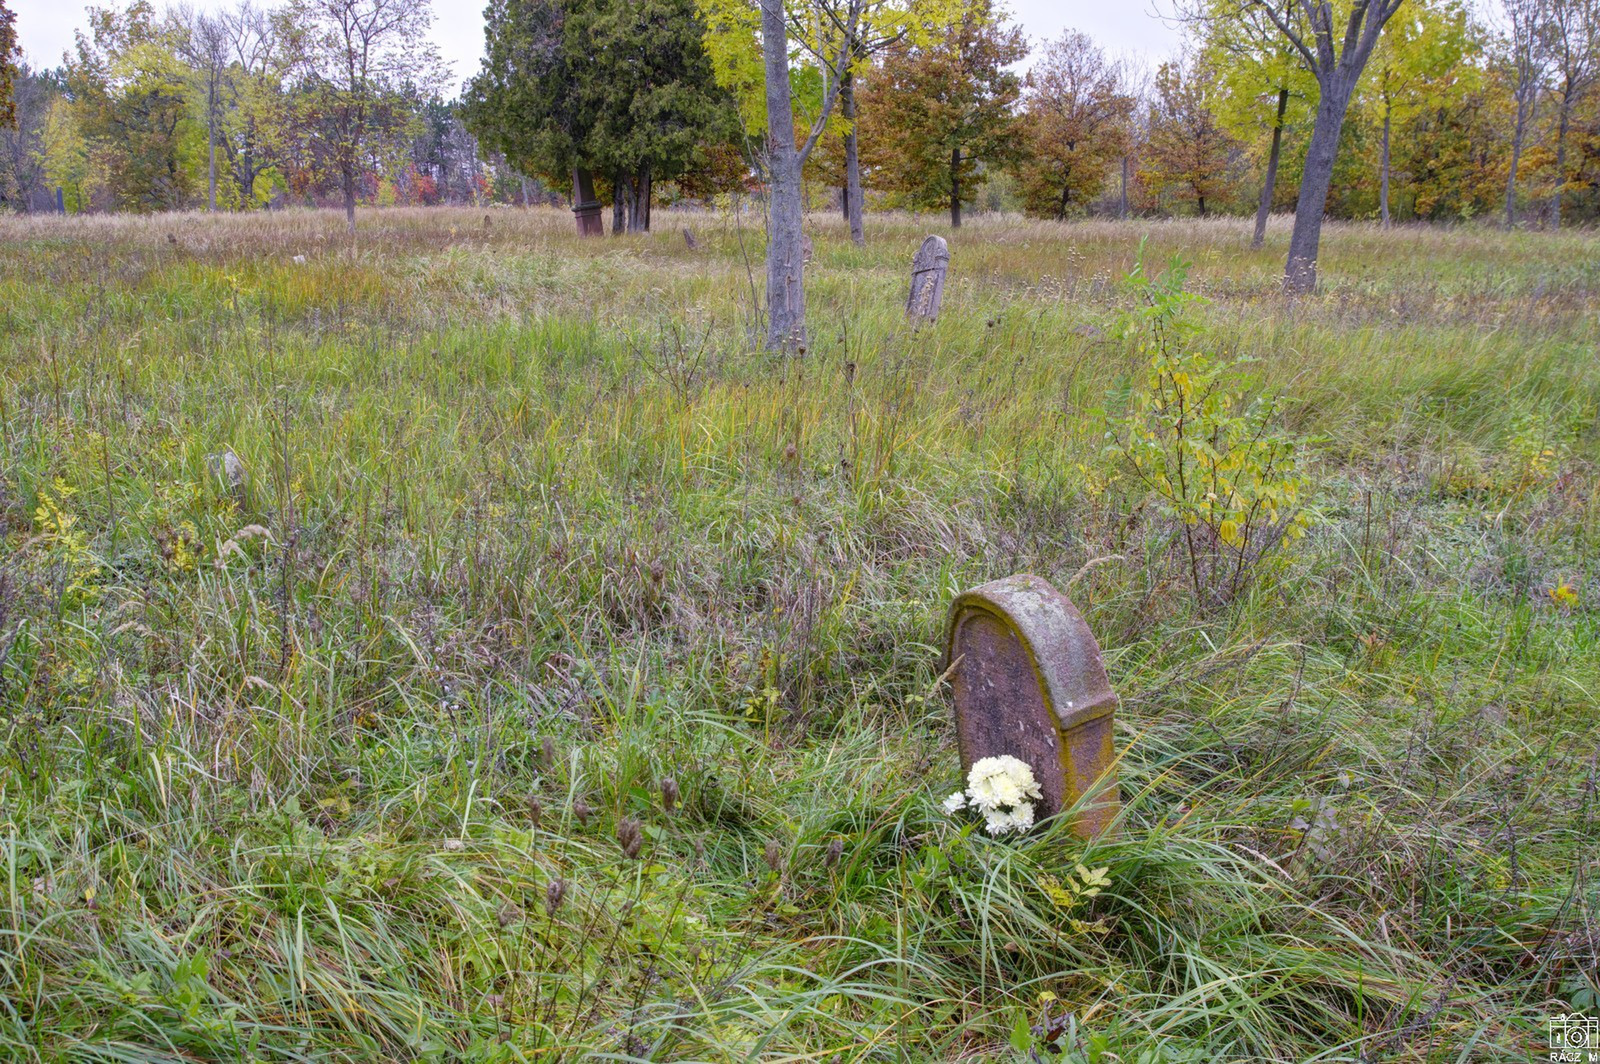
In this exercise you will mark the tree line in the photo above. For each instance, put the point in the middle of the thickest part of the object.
(1458, 112)
(1386, 109)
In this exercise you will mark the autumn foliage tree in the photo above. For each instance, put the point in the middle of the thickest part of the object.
(1188, 155)
(358, 68)
(8, 64)
(130, 93)
(1076, 115)
(1262, 82)
(1419, 65)
(937, 115)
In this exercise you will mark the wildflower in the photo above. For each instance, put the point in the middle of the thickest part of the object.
(535, 810)
(835, 851)
(554, 895)
(669, 794)
(581, 810)
(774, 855)
(955, 803)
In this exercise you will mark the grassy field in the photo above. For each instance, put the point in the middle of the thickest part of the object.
(362, 759)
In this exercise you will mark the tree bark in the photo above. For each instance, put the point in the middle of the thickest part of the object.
(853, 205)
(1518, 134)
(1300, 275)
(639, 213)
(786, 301)
(619, 205)
(1562, 127)
(1383, 181)
(211, 143)
(1122, 206)
(955, 188)
(350, 200)
(1269, 186)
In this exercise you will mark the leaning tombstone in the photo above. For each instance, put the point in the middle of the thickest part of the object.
(927, 279)
(1027, 681)
(228, 468)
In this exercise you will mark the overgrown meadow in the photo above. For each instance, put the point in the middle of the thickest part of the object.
(553, 674)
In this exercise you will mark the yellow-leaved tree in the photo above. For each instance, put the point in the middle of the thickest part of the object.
(752, 44)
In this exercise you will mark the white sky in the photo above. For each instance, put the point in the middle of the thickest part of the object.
(1122, 26)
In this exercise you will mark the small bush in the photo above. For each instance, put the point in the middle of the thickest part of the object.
(1212, 455)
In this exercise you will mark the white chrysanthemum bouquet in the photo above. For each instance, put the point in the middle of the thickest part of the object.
(1003, 790)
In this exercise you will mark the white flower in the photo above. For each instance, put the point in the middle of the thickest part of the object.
(997, 822)
(1004, 781)
(1003, 789)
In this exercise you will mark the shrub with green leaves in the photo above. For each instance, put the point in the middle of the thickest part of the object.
(1211, 453)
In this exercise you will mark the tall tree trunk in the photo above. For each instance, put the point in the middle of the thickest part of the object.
(1269, 186)
(1518, 134)
(1554, 216)
(524, 191)
(1300, 274)
(620, 192)
(639, 216)
(853, 205)
(1383, 181)
(350, 200)
(786, 298)
(585, 205)
(211, 144)
(1122, 205)
(955, 188)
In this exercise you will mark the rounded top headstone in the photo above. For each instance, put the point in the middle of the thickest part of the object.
(1028, 680)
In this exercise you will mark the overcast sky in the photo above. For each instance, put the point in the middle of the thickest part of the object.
(1122, 26)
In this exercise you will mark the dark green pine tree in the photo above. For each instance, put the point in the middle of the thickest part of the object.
(619, 90)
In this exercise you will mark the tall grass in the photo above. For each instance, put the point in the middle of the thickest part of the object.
(531, 525)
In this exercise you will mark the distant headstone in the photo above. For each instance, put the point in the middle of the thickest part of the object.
(1027, 680)
(688, 238)
(229, 469)
(927, 279)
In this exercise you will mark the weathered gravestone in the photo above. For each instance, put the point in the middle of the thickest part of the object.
(927, 279)
(1027, 680)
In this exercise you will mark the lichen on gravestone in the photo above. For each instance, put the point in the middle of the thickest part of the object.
(928, 270)
(1027, 681)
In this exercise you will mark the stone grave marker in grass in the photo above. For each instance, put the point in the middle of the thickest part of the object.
(928, 270)
(1027, 680)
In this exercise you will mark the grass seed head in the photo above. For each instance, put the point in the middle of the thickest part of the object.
(630, 837)
(834, 852)
(669, 794)
(554, 895)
